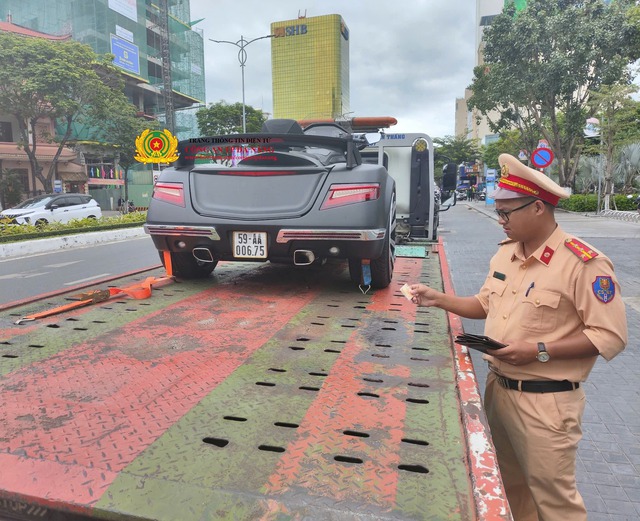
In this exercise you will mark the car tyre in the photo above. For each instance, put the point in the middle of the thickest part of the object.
(382, 267)
(41, 222)
(186, 266)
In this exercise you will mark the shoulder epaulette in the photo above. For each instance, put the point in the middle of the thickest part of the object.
(583, 251)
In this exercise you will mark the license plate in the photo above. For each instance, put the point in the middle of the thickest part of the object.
(250, 245)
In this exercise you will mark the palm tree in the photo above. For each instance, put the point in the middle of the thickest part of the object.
(628, 168)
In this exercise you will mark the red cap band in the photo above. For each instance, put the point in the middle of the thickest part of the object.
(523, 186)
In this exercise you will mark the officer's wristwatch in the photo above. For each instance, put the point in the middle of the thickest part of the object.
(543, 356)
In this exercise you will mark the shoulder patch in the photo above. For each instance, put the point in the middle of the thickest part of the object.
(580, 250)
(603, 288)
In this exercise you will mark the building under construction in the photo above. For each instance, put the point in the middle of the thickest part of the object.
(160, 55)
(144, 37)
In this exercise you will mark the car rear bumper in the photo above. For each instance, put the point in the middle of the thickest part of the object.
(340, 243)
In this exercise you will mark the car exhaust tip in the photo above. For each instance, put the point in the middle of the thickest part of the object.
(303, 257)
(202, 254)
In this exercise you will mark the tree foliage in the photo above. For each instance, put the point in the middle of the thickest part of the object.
(543, 64)
(510, 142)
(456, 149)
(58, 80)
(606, 103)
(222, 118)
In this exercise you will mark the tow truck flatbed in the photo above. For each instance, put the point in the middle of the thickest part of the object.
(263, 392)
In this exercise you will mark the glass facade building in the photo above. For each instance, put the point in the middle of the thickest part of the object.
(131, 30)
(310, 68)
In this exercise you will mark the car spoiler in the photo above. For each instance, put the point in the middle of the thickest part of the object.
(222, 146)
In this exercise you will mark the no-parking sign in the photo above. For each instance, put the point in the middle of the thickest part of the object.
(542, 157)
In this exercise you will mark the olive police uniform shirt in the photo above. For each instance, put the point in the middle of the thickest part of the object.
(563, 288)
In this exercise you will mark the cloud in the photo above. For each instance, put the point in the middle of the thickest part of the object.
(409, 60)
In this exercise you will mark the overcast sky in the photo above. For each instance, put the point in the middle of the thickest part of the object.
(408, 60)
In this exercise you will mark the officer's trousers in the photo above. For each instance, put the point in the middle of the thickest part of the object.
(536, 437)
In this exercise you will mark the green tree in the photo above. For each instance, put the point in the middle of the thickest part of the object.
(222, 118)
(510, 142)
(542, 65)
(455, 149)
(119, 127)
(606, 103)
(57, 80)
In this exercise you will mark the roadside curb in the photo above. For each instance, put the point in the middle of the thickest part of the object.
(66, 242)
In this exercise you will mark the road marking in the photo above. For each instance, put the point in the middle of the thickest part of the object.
(25, 275)
(80, 281)
(61, 264)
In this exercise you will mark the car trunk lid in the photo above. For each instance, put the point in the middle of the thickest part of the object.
(255, 193)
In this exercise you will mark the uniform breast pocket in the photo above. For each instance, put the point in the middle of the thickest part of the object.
(496, 290)
(540, 311)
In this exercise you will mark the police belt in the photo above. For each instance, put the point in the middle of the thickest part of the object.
(537, 386)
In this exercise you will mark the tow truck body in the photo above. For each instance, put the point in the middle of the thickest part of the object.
(409, 159)
(263, 392)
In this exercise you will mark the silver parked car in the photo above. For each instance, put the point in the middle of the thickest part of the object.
(283, 195)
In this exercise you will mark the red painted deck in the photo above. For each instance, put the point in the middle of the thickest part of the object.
(261, 393)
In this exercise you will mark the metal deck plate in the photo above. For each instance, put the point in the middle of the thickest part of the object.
(411, 250)
(262, 393)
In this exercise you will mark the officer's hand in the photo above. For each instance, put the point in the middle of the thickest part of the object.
(517, 353)
(424, 295)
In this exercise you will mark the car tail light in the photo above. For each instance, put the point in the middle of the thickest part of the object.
(341, 195)
(172, 193)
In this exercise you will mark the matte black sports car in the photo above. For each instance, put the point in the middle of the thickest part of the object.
(282, 195)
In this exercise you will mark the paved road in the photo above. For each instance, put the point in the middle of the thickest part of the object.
(609, 454)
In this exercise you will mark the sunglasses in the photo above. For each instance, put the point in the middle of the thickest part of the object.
(505, 214)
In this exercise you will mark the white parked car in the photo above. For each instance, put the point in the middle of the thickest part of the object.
(53, 208)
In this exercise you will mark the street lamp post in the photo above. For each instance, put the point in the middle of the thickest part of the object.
(241, 44)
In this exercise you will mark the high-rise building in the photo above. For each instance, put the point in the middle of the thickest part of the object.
(310, 67)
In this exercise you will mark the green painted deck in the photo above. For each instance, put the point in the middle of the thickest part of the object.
(264, 392)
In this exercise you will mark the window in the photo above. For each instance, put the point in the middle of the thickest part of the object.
(6, 134)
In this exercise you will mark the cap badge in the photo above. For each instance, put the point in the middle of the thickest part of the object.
(504, 171)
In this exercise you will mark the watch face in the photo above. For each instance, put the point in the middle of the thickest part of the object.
(543, 356)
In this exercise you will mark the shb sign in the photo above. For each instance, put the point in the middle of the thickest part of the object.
(542, 157)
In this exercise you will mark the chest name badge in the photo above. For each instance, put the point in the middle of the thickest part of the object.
(603, 288)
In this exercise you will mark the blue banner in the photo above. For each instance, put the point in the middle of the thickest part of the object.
(126, 54)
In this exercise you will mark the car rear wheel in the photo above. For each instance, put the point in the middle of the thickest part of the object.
(186, 266)
(382, 267)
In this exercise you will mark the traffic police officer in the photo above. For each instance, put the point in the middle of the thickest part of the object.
(555, 302)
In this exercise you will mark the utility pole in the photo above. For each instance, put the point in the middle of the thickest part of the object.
(242, 58)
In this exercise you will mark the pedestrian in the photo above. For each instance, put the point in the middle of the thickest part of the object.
(555, 302)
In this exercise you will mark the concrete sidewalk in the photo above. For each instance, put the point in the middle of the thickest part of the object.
(609, 454)
(65, 242)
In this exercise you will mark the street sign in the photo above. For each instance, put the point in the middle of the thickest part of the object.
(542, 157)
